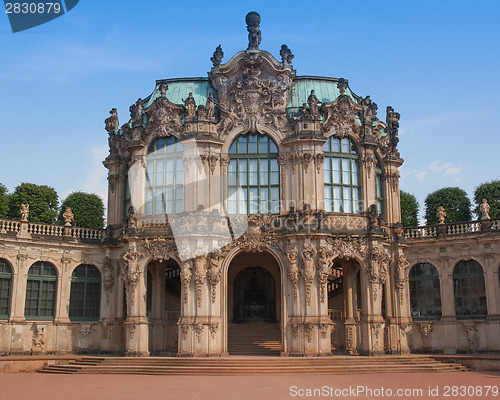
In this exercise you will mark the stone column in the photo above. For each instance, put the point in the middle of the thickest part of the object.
(449, 319)
(63, 291)
(491, 281)
(391, 177)
(19, 282)
(137, 182)
(116, 192)
(157, 315)
(367, 163)
(136, 324)
(349, 323)
(372, 279)
(284, 195)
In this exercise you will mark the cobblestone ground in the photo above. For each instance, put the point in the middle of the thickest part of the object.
(338, 387)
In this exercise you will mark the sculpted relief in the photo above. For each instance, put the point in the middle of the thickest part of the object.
(252, 91)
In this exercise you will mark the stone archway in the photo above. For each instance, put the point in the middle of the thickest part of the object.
(163, 298)
(254, 302)
(254, 296)
(345, 305)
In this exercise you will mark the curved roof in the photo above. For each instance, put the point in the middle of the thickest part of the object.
(179, 89)
(325, 88)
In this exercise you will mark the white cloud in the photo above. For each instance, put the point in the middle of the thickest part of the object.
(436, 169)
(420, 176)
(96, 180)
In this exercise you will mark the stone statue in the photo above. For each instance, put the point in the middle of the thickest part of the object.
(313, 101)
(303, 110)
(132, 219)
(441, 214)
(111, 122)
(342, 86)
(136, 112)
(217, 57)
(308, 256)
(163, 89)
(25, 210)
(293, 270)
(484, 209)
(286, 54)
(254, 36)
(201, 113)
(210, 105)
(372, 216)
(190, 104)
(68, 216)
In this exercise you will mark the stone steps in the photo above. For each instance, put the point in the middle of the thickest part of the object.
(254, 339)
(251, 365)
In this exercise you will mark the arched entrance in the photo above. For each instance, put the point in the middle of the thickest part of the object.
(254, 305)
(254, 296)
(163, 304)
(345, 305)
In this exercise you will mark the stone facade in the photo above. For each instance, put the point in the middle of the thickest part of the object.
(335, 282)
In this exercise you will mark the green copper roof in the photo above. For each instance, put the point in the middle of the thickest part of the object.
(179, 89)
(325, 90)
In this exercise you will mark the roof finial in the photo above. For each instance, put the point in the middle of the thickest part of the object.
(253, 21)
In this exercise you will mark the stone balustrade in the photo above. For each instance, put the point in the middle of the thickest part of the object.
(9, 226)
(20, 228)
(453, 229)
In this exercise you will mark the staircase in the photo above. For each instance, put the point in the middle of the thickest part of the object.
(335, 365)
(254, 339)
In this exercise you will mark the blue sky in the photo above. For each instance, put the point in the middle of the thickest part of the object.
(437, 63)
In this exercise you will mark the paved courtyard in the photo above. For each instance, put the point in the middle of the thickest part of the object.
(73, 387)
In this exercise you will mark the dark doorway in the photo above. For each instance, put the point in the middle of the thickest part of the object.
(254, 296)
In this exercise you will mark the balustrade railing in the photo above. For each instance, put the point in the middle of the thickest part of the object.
(336, 315)
(420, 232)
(171, 317)
(87, 233)
(9, 226)
(36, 229)
(45, 230)
(453, 229)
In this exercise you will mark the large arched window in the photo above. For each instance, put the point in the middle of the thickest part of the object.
(85, 298)
(5, 288)
(164, 177)
(425, 294)
(253, 176)
(379, 188)
(470, 293)
(41, 291)
(342, 181)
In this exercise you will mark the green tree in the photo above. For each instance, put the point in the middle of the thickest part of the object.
(491, 192)
(455, 202)
(4, 202)
(409, 209)
(88, 209)
(42, 200)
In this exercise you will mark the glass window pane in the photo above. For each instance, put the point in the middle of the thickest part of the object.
(335, 145)
(253, 172)
(275, 178)
(264, 172)
(272, 147)
(252, 144)
(253, 200)
(263, 145)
